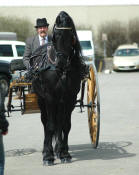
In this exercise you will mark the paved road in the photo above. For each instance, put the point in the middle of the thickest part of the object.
(118, 151)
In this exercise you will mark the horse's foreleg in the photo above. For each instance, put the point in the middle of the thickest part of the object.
(48, 156)
(62, 141)
(66, 129)
(59, 133)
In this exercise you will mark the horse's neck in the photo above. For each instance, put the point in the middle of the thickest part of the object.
(75, 61)
(61, 61)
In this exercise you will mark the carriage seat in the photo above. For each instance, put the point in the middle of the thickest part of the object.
(17, 68)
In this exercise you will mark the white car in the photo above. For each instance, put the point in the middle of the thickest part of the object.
(87, 45)
(126, 57)
(10, 50)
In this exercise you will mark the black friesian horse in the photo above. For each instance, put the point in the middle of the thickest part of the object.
(57, 89)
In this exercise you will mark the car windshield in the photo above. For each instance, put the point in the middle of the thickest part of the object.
(127, 52)
(20, 50)
(85, 45)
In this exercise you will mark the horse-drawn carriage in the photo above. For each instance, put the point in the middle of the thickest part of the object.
(57, 102)
(21, 90)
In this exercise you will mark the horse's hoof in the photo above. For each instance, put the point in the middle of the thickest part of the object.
(57, 155)
(66, 160)
(62, 160)
(48, 162)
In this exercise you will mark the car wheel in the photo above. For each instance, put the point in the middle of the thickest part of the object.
(4, 81)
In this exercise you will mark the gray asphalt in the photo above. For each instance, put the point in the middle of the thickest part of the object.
(118, 150)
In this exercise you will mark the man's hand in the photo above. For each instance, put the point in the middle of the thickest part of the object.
(5, 133)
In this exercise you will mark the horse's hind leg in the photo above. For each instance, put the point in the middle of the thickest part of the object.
(61, 147)
(58, 144)
(41, 103)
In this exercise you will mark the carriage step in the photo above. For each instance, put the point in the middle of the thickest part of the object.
(88, 105)
(31, 111)
(18, 98)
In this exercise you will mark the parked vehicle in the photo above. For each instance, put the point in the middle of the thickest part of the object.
(5, 75)
(10, 50)
(126, 57)
(87, 45)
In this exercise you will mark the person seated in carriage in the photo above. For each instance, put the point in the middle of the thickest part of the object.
(34, 42)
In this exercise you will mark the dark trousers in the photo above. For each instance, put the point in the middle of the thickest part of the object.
(2, 156)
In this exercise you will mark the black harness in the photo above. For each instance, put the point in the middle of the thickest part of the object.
(45, 58)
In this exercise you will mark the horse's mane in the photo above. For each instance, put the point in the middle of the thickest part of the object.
(64, 20)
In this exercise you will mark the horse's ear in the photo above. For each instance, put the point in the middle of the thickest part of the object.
(53, 34)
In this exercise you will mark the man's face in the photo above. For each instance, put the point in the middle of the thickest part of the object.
(42, 31)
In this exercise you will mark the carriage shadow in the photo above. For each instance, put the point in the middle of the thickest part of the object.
(105, 151)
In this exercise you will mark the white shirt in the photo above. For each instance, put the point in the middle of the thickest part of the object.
(41, 40)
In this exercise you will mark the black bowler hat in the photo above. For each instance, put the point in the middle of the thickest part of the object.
(41, 23)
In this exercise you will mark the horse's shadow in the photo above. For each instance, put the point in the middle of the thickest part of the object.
(105, 151)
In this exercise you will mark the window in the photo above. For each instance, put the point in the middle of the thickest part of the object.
(6, 51)
(85, 45)
(127, 52)
(20, 50)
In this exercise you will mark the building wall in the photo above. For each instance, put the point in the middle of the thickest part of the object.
(91, 16)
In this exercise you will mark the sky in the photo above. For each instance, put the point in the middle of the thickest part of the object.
(66, 2)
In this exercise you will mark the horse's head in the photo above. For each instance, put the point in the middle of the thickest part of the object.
(65, 38)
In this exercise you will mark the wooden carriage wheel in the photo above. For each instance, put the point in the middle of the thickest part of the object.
(93, 100)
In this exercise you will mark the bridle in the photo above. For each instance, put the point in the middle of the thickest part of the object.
(63, 28)
(62, 54)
